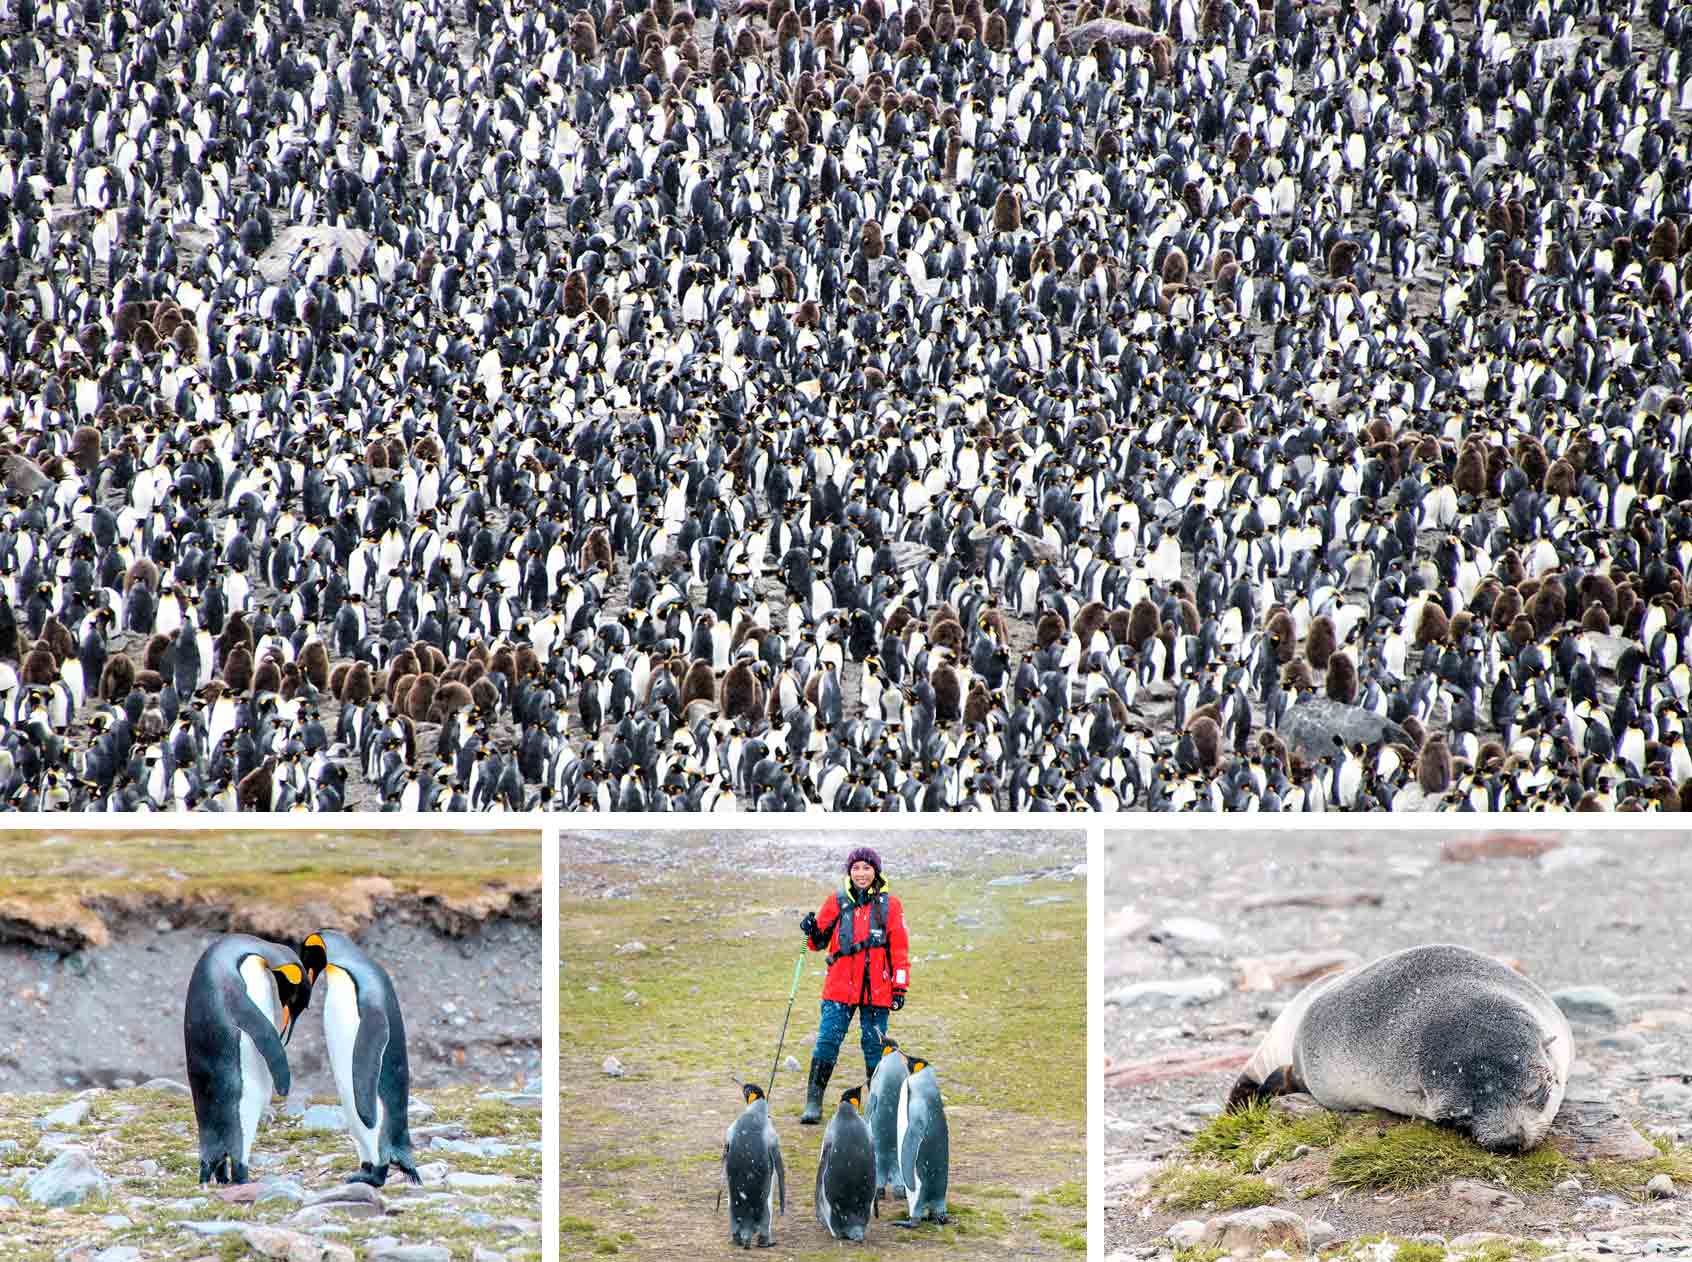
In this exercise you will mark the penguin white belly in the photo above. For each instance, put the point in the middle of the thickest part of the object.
(913, 1188)
(340, 1032)
(256, 1083)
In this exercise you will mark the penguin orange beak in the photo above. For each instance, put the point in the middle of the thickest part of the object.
(287, 1020)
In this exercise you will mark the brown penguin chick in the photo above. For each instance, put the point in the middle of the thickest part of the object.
(1192, 199)
(1469, 478)
(997, 34)
(1665, 241)
(117, 677)
(1432, 626)
(1142, 622)
(1162, 57)
(502, 662)
(145, 338)
(873, 245)
(414, 700)
(948, 634)
(1530, 455)
(596, 550)
(1595, 619)
(1117, 626)
(58, 639)
(1627, 606)
(267, 675)
(338, 678)
(1296, 674)
(1090, 620)
(235, 634)
(85, 449)
(314, 663)
(1462, 622)
(1549, 607)
(1433, 764)
(1283, 634)
(1413, 727)
(1174, 269)
(1321, 641)
(1050, 629)
(1521, 630)
(699, 684)
(1621, 250)
(1270, 745)
(256, 791)
(948, 693)
(1342, 678)
(402, 664)
(1007, 211)
(741, 696)
(149, 680)
(1108, 148)
(584, 39)
(450, 699)
(1207, 740)
(1560, 478)
(153, 656)
(473, 671)
(1225, 275)
(396, 684)
(1189, 615)
(293, 682)
(238, 670)
(1601, 589)
(600, 306)
(484, 694)
(575, 293)
(1506, 608)
(143, 572)
(356, 688)
(39, 666)
(1342, 256)
(943, 612)
(127, 317)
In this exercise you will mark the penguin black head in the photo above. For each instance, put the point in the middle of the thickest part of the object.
(916, 1063)
(753, 1092)
(294, 990)
(853, 1096)
(314, 953)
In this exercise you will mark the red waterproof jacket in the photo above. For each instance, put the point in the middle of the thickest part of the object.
(869, 973)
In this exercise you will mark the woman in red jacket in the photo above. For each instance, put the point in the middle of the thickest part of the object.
(862, 927)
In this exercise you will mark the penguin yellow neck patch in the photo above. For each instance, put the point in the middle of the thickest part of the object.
(291, 972)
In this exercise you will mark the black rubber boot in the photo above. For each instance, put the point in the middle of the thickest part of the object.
(820, 1073)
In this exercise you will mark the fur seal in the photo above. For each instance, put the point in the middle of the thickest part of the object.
(1436, 1032)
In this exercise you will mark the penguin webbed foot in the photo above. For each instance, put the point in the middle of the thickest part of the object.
(241, 1173)
(410, 1172)
(375, 1176)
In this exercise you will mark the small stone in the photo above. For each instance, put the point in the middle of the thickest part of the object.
(631, 948)
(279, 1190)
(630, 996)
(419, 1110)
(433, 1173)
(1321, 1233)
(613, 1067)
(1475, 1239)
(1590, 1005)
(212, 1227)
(1254, 1231)
(1186, 1233)
(292, 1246)
(465, 1179)
(346, 1193)
(70, 1179)
(1671, 1096)
(411, 1253)
(119, 1253)
(1568, 1187)
(166, 1084)
(1660, 1186)
(66, 1115)
(323, 1117)
(479, 1254)
(791, 1065)
(1188, 992)
(238, 1194)
(1186, 929)
(116, 1222)
(1484, 1196)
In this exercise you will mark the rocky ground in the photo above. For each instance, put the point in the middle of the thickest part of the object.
(1202, 931)
(677, 963)
(92, 1001)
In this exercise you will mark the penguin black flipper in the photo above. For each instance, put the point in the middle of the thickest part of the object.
(368, 1046)
(781, 1181)
(253, 1024)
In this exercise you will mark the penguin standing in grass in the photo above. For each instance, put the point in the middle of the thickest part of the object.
(924, 1145)
(751, 1170)
(846, 1171)
(244, 997)
(883, 1112)
(366, 1038)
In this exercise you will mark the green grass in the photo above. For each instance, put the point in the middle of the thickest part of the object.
(1186, 1188)
(710, 952)
(1370, 1153)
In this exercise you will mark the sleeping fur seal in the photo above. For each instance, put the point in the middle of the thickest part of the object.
(1436, 1032)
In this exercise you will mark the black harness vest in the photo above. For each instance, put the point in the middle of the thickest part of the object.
(847, 923)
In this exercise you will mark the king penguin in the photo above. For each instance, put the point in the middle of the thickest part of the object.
(924, 1145)
(243, 999)
(366, 1038)
(752, 1169)
(846, 1171)
(885, 1088)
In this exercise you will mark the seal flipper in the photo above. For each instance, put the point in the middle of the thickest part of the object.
(256, 1026)
(1247, 1091)
(368, 1046)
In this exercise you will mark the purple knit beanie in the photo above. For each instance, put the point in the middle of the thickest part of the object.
(866, 855)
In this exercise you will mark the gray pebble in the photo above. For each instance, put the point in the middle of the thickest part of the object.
(1590, 1005)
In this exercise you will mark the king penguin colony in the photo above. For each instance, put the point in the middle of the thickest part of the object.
(789, 405)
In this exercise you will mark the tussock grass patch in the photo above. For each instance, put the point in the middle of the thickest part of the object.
(1187, 1188)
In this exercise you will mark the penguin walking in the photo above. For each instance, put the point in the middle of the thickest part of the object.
(846, 1171)
(884, 1092)
(366, 1037)
(752, 1169)
(244, 997)
(924, 1145)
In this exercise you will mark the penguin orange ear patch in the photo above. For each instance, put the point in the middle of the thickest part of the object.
(291, 972)
(316, 941)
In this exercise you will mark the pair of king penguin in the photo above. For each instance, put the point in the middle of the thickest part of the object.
(899, 1141)
(244, 999)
